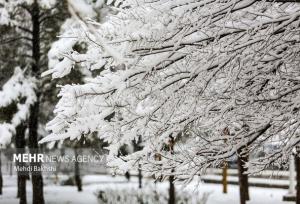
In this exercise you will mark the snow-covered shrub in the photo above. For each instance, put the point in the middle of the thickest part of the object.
(147, 196)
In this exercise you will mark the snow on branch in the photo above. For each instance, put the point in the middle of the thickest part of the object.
(187, 69)
(18, 90)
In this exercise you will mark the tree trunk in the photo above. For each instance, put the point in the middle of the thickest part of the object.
(37, 179)
(22, 189)
(22, 175)
(171, 190)
(241, 184)
(137, 147)
(140, 176)
(127, 176)
(172, 199)
(1, 178)
(10, 168)
(77, 172)
(297, 164)
(243, 178)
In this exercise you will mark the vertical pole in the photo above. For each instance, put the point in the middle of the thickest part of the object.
(297, 163)
(224, 179)
(291, 176)
(1, 179)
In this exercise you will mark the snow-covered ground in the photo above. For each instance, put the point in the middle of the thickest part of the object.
(257, 195)
(56, 194)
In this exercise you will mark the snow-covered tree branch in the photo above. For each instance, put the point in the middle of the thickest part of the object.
(18, 91)
(189, 69)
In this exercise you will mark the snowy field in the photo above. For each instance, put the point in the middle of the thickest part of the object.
(56, 194)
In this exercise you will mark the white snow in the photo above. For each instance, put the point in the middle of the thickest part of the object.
(55, 194)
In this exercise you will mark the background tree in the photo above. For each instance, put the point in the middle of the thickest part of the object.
(17, 95)
(34, 25)
(10, 42)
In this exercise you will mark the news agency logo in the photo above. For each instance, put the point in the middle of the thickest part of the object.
(28, 158)
(57, 160)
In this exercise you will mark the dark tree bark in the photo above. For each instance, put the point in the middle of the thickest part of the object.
(137, 147)
(22, 189)
(297, 164)
(127, 176)
(1, 178)
(171, 190)
(22, 176)
(243, 178)
(140, 176)
(37, 179)
(172, 196)
(246, 183)
(241, 184)
(10, 168)
(77, 172)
